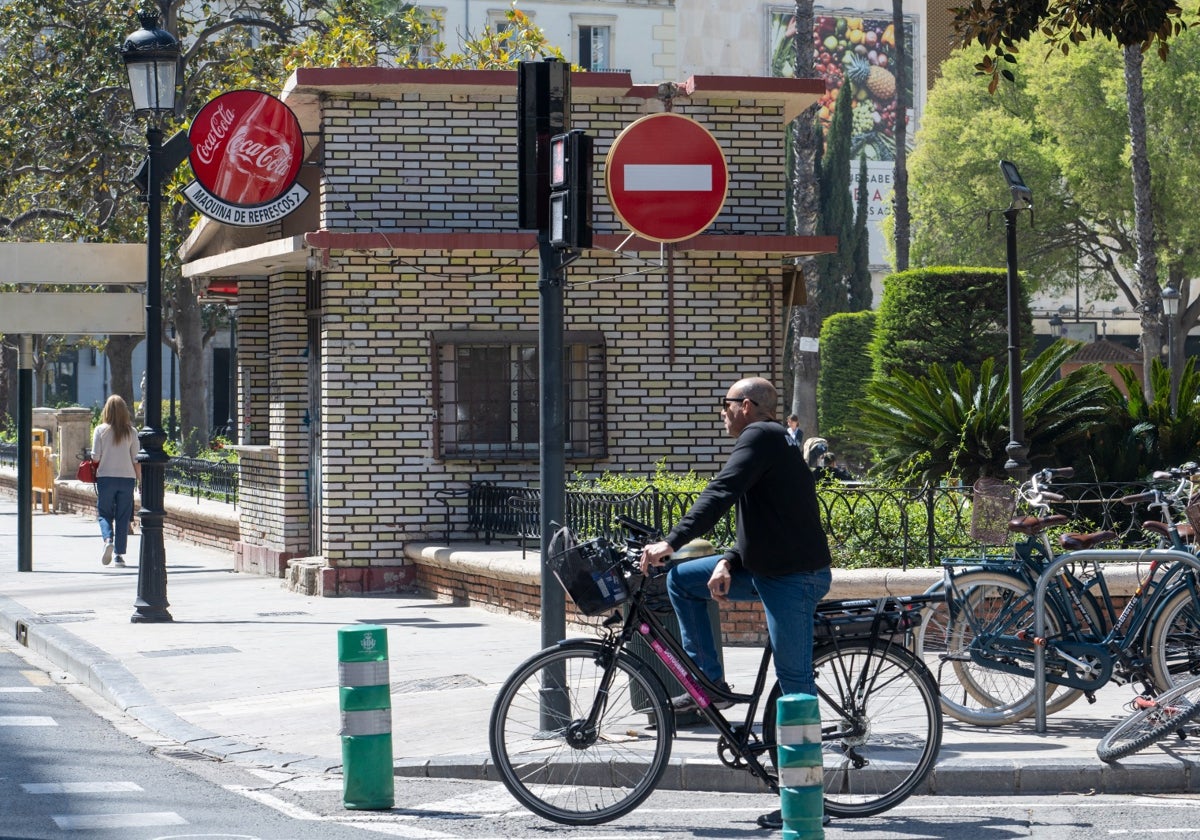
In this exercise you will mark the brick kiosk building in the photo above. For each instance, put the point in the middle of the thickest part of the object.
(387, 331)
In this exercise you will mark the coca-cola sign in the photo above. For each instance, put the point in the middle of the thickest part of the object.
(246, 154)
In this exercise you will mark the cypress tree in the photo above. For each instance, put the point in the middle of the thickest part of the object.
(837, 211)
(860, 269)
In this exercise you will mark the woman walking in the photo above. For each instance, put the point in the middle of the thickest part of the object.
(115, 445)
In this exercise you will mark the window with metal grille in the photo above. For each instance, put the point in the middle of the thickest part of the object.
(488, 391)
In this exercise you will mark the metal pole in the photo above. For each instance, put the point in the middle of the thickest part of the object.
(1016, 465)
(553, 431)
(25, 457)
(171, 427)
(1174, 395)
(151, 604)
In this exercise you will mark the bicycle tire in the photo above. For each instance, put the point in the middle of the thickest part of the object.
(968, 691)
(890, 730)
(552, 763)
(1173, 639)
(1172, 711)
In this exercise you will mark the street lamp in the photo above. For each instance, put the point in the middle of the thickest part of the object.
(1022, 199)
(151, 58)
(1170, 299)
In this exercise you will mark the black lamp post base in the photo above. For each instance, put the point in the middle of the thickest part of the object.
(150, 615)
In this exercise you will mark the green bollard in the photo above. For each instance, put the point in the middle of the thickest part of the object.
(368, 783)
(801, 778)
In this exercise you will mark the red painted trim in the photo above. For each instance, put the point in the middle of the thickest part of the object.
(331, 240)
(366, 77)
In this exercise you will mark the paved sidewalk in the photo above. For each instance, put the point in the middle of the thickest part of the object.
(247, 671)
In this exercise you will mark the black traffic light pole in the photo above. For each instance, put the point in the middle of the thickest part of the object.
(554, 198)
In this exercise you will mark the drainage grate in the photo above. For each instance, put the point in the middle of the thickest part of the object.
(437, 684)
(201, 651)
(188, 755)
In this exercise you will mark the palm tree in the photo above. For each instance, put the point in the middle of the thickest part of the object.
(951, 423)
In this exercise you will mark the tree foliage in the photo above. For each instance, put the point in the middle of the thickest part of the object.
(1066, 123)
(1000, 25)
(845, 371)
(953, 421)
(69, 143)
(942, 316)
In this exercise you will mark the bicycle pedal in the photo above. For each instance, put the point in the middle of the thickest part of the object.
(1091, 697)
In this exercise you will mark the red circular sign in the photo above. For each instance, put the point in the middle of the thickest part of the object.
(246, 147)
(666, 177)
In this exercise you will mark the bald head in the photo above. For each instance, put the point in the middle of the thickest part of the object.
(763, 394)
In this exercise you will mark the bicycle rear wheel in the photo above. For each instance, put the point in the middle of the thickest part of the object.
(1170, 712)
(1174, 639)
(559, 765)
(881, 727)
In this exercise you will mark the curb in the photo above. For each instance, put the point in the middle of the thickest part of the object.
(108, 678)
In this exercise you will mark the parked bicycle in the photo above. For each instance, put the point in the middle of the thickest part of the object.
(1152, 719)
(581, 733)
(982, 641)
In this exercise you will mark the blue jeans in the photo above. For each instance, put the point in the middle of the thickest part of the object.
(789, 603)
(114, 508)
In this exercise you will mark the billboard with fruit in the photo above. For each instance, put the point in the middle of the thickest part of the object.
(860, 51)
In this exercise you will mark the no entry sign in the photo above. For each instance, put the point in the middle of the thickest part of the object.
(666, 177)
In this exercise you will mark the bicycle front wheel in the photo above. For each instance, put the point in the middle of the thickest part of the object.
(1174, 639)
(881, 727)
(1168, 712)
(570, 749)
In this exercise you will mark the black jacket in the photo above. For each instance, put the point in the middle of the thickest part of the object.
(778, 520)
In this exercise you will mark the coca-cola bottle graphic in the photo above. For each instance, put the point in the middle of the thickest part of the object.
(259, 160)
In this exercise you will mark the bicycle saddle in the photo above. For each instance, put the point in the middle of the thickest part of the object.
(1076, 542)
(1032, 525)
(1186, 532)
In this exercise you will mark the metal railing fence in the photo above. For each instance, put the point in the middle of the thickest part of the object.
(867, 525)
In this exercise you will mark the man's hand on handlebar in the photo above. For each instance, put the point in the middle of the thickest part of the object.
(655, 554)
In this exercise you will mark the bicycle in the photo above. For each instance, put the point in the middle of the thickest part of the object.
(1153, 718)
(988, 639)
(581, 732)
(972, 693)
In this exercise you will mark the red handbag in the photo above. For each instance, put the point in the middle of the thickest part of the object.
(87, 471)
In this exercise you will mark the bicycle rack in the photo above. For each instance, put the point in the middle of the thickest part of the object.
(1039, 605)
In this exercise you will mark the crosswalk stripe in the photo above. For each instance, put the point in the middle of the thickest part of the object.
(27, 720)
(100, 822)
(80, 787)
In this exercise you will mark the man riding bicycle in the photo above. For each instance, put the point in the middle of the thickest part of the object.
(781, 557)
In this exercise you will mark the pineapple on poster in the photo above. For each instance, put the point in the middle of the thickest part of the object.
(854, 50)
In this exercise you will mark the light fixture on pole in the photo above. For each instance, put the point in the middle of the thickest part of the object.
(1170, 301)
(1022, 199)
(151, 57)
(1057, 327)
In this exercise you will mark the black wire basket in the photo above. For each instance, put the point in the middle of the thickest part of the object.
(590, 573)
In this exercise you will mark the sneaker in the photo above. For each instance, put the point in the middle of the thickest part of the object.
(106, 557)
(118, 560)
(684, 703)
(774, 820)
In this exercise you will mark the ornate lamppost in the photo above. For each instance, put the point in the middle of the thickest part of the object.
(151, 58)
(1022, 199)
(1170, 299)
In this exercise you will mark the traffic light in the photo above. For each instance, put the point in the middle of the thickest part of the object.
(571, 190)
(543, 110)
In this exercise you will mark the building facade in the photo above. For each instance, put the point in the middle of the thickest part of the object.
(388, 332)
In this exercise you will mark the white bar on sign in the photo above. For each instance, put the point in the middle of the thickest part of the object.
(668, 177)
